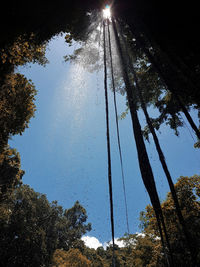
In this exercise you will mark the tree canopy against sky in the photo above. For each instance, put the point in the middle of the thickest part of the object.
(32, 228)
(179, 72)
(161, 56)
(37, 232)
(153, 90)
(164, 27)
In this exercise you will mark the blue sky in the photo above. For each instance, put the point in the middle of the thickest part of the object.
(63, 152)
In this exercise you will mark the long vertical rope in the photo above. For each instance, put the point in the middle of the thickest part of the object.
(160, 154)
(145, 167)
(117, 125)
(108, 146)
(166, 171)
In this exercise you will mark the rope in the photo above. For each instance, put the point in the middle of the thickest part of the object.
(145, 167)
(118, 135)
(161, 156)
(108, 147)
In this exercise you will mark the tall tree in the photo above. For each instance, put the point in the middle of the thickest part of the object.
(32, 228)
(72, 257)
(72, 226)
(154, 90)
(17, 106)
(188, 192)
(10, 171)
(24, 50)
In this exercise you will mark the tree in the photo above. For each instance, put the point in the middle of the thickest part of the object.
(70, 258)
(24, 50)
(145, 249)
(32, 228)
(138, 250)
(10, 171)
(169, 102)
(17, 106)
(154, 91)
(72, 226)
(96, 256)
(156, 29)
(188, 192)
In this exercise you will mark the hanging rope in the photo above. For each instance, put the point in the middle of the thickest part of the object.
(145, 167)
(117, 126)
(160, 153)
(108, 146)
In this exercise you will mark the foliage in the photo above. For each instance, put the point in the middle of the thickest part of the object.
(70, 258)
(32, 228)
(96, 257)
(35, 232)
(88, 54)
(24, 50)
(10, 170)
(188, 192)
(139, 250)
(72, 226)
(176, 56)
(17, 106)
(144, 249)
(154, 90)
(156, 87)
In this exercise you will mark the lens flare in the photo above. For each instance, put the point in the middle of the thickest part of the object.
(107, 12)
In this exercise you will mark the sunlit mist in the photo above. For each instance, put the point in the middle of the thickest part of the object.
(107, 12)
(74, 96)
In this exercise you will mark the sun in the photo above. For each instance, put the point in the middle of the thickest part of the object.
(107, 12)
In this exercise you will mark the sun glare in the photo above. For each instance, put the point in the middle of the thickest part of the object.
(107, 12)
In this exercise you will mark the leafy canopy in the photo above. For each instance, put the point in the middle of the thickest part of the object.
(32, 228)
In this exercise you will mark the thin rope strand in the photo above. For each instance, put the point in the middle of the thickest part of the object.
(145, 167)
(160, 153)
(117, 126)
(108, 147)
